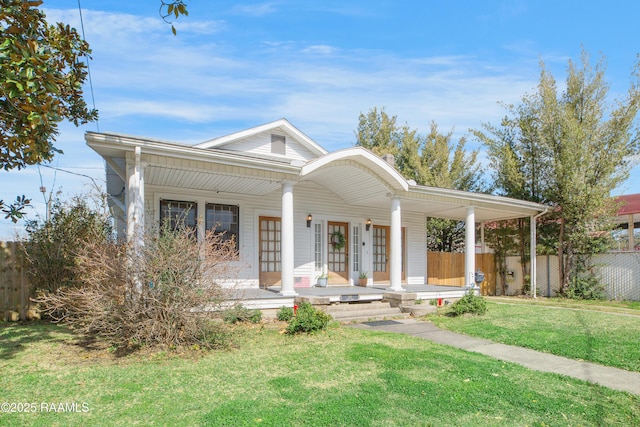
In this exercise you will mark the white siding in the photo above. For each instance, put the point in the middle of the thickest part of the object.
(308, 198)
(261, 144)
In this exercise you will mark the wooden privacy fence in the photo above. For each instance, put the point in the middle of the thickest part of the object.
(14, 286)
(445, 268)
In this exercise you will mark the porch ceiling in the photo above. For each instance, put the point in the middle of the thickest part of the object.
(457, 211)
(353, 184)
(207, 181)
(453, 204)
(357, 185)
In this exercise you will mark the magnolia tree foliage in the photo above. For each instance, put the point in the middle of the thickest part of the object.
(432, 159)
(568, 149)
(41, 77)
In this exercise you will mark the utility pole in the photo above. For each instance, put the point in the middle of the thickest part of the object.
(47, 202)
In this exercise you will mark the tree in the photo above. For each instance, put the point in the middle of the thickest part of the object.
(174, 9)
(41, 77)
(569, 150)
(53, 245)
(432, 159)
(378, 132)
(447, 165)
(15, 210)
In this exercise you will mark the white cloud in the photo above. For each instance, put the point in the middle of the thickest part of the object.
(319, 49)
(108, 25)
(258, 9)
(180, 110)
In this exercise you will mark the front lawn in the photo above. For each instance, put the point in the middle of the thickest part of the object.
(342, 377)
(604, 333)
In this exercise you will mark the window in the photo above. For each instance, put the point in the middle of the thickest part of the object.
(317, 247)
(175, 214)
(223, 219)
(356, 248)
(278, 144)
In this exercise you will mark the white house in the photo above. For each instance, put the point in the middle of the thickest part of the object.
(297, 210)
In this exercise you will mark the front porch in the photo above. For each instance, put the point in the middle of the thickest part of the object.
(271, 298)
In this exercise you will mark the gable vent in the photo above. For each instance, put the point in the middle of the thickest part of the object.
(278, 144)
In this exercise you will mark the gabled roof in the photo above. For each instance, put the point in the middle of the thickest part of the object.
(364, 157)
(282, 124)
(355, 175)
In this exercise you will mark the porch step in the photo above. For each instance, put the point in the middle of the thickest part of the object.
(362, 312)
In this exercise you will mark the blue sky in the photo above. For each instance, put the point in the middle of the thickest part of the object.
(235, 65)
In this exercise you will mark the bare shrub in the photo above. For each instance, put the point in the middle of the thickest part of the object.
(163, 293)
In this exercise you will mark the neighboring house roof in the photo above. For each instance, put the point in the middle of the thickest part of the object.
(629, 210)
(629, 204)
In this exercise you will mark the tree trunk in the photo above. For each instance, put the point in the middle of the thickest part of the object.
(561, 260)
(523, 254)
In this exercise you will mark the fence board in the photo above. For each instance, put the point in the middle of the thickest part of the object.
(14, 286)
(445, 268)
(619, 272)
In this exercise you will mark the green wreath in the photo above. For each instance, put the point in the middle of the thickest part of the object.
(338, 240)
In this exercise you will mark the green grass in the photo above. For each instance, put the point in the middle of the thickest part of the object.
(628, 307)
(342, 377)
(586, 331)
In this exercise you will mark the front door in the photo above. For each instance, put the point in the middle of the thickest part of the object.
(381, 252)
(269, 254)
(338, 252)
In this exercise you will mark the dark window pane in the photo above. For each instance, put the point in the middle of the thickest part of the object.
(223, 219)
(175, 214)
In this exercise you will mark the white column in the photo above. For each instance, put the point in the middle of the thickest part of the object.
(287, 242)
(470, 247)
(533, 281)
(631, 228)
(395, 267)
(135, 199)
(140, 202)
(135, 211)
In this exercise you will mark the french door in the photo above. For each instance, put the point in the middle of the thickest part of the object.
(269, 253)
(338, 252)
(382, 251)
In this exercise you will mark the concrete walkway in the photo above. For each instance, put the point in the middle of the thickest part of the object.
(617, 379)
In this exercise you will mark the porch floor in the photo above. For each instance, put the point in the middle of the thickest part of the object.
(270, 298)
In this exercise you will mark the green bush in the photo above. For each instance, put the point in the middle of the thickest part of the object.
(470, 303)
(285, 314)
(55, 244)
(240, 313)
(215, 335)
(308, 319)
(585, 287)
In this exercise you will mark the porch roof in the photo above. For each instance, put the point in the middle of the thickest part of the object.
(355, 175)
